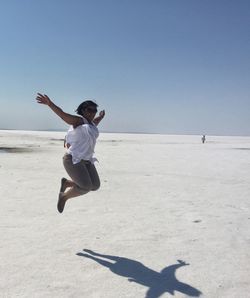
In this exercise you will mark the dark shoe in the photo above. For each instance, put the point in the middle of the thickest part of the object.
(63, 187)
(61, 202)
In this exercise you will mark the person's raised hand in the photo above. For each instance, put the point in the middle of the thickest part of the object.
(43, 99)
(102, 114)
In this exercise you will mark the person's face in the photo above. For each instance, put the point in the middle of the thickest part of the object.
(90, 112)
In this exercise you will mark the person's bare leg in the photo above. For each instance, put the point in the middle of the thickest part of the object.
(64, 196)
(72, 193)
(65, 183)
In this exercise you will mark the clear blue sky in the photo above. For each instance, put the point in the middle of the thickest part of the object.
(160, 66)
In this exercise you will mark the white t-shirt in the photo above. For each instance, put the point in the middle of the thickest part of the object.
(82, 140)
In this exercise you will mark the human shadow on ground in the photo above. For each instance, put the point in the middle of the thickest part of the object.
(157, 282)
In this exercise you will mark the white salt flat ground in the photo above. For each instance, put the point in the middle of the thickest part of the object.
(163, 198)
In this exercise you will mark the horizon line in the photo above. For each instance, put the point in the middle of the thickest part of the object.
(128, 132)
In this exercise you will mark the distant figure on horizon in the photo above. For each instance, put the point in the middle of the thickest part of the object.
(80, 143)
(203, 139)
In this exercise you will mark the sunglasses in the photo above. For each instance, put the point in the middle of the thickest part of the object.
(91, 110)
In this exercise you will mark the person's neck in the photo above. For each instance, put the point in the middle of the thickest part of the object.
(89, 121)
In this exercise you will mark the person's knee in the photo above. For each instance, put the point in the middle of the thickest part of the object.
(96, 186)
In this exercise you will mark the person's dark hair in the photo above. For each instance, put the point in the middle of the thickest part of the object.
(84, 105)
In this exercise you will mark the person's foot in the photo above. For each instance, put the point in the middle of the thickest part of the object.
(63, 184)
(61, 202)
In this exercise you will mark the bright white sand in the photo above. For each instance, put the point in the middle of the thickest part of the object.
(163, 198)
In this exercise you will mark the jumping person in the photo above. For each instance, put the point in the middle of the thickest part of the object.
(80, 143)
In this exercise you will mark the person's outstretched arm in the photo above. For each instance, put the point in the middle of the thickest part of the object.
(99, 118)
(68, 118)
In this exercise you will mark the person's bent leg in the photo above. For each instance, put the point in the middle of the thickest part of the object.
(80, 185)
(93, 176)
(78, 173)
